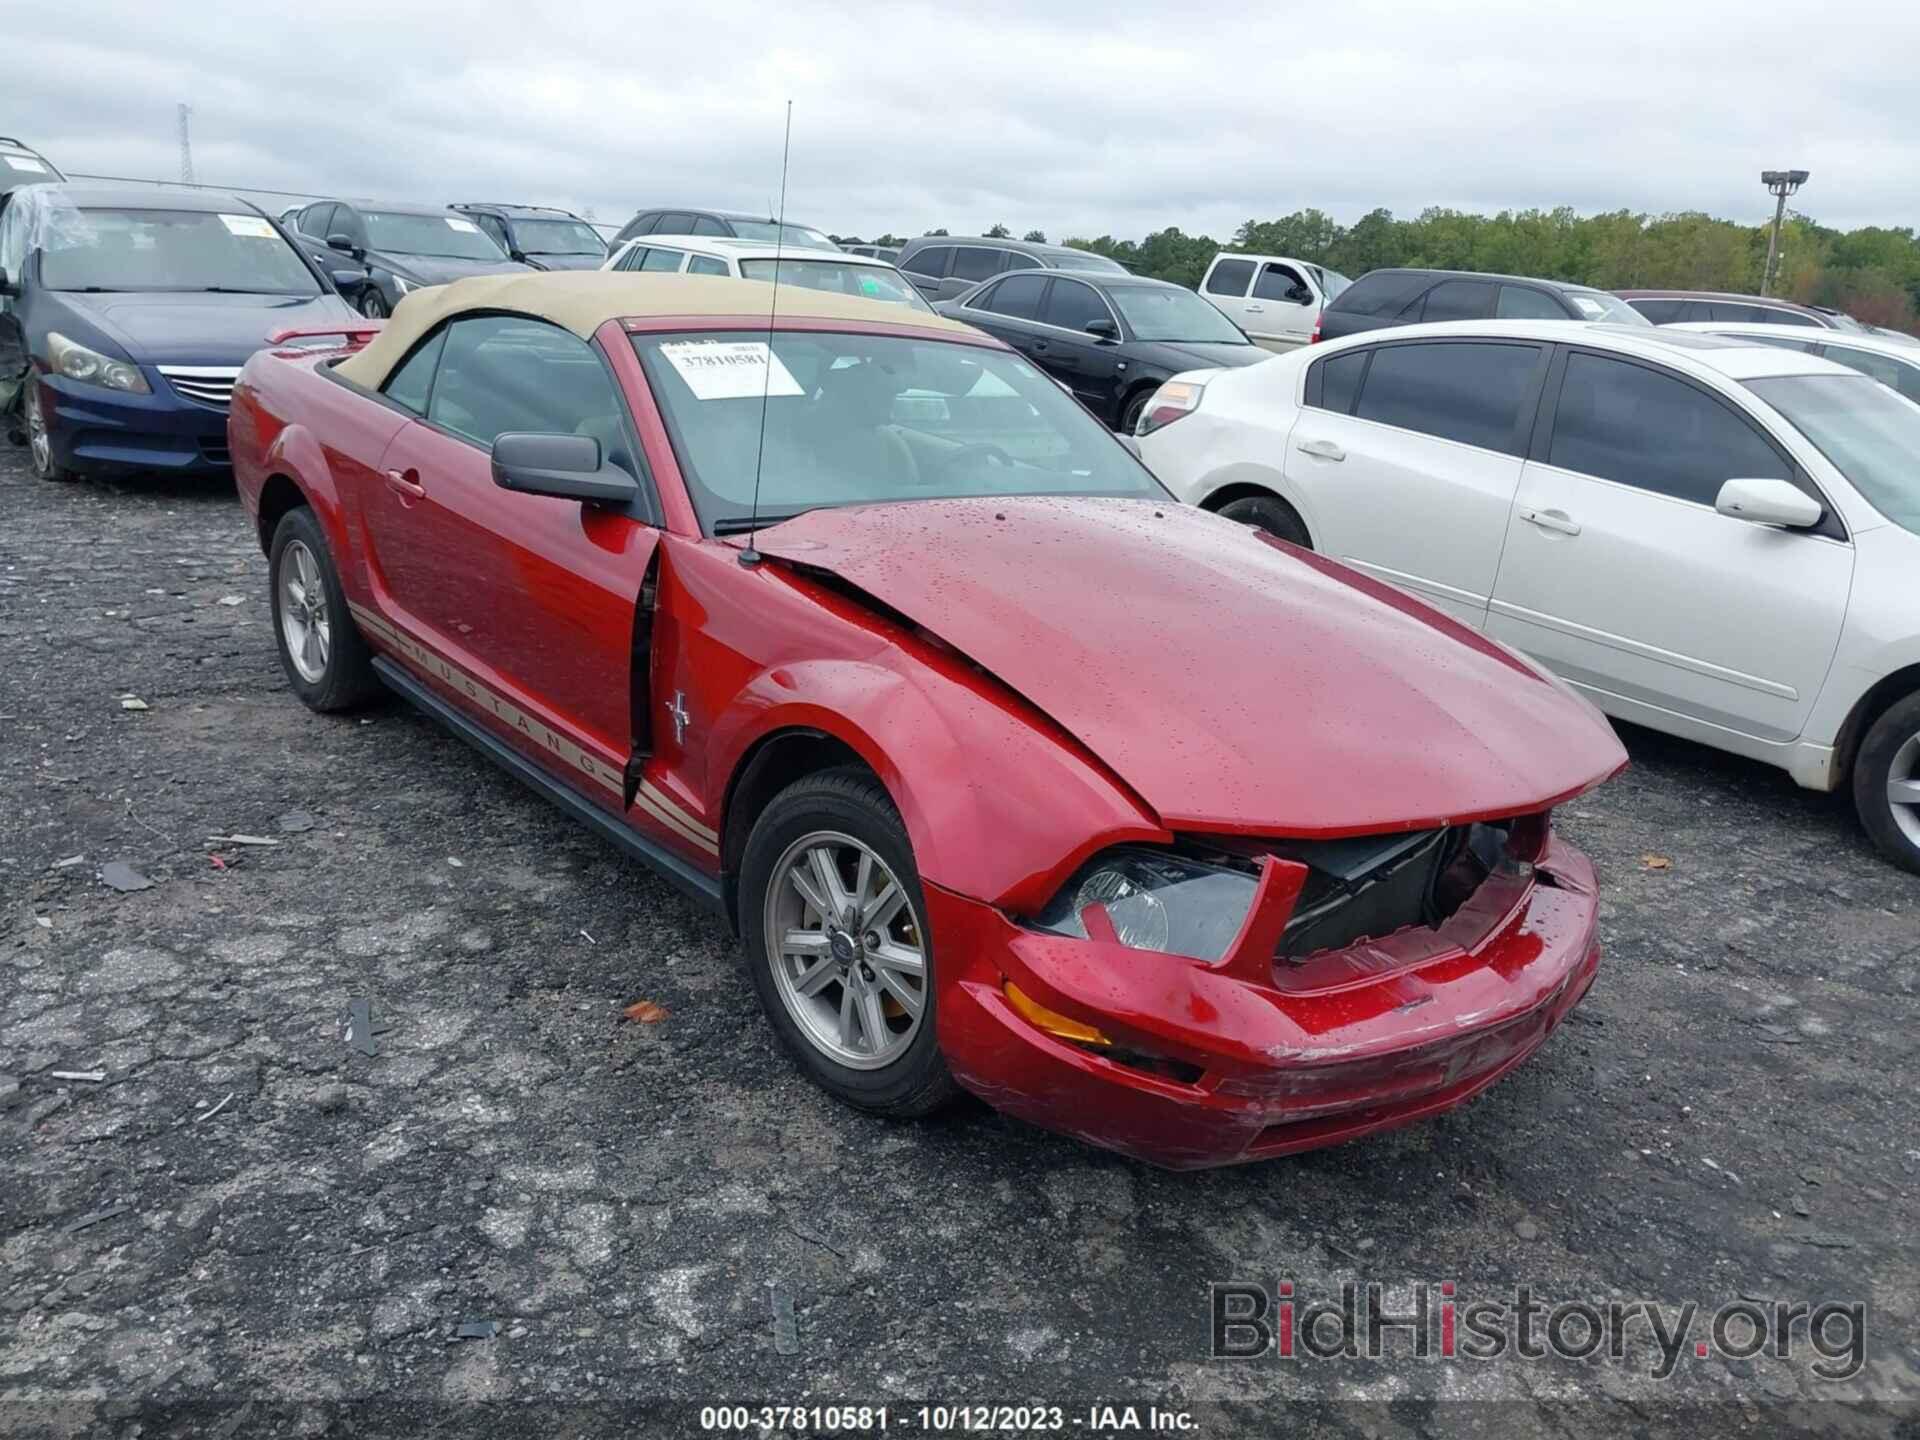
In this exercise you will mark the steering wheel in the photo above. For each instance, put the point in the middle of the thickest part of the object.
(982, 449)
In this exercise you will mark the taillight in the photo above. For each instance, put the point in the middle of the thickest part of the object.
(1314, 339)
(1169, 403)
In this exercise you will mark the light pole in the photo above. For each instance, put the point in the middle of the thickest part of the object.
(1780, 184)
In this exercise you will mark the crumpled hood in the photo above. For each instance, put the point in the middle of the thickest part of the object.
(1233, 683)
(163, 328)
(442, 269)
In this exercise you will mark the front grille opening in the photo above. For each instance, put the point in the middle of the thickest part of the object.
(1373, 886)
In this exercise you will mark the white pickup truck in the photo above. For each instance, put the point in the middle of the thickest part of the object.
(1273, 298)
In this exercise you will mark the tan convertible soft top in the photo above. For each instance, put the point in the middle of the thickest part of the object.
(584, 300)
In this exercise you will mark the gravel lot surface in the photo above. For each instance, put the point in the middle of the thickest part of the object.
(246, 1209)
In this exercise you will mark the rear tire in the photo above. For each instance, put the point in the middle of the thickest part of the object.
(321, 649)
(1271, 514)
(829, 987)
(1889, 762)
(1135, 408)
(373, 304)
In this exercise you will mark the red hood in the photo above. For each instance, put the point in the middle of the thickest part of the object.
(1232, 682)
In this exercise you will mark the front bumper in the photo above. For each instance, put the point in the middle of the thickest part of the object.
(99, 431)
(1210, 1069)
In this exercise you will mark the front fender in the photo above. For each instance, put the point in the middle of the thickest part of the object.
(999, 803)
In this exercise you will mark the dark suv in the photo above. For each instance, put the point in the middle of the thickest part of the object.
(21, 164)
(668, 221)
(539, 235)
(945, 266)
(1410, 297)
(1671, 307)
(377, 252)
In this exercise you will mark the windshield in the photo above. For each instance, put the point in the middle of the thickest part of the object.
(448, 237)
(840, 277)
(556, 237)
(1090, 260)
(1332, 282)
(1871, 435)
(153, 250)
(1599, 305)
(857, 419)
(786, 234)
(1162, 312)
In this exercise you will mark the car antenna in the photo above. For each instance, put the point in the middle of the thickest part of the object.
(751, 556)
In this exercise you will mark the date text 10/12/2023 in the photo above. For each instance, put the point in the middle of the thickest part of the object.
(947, 1419)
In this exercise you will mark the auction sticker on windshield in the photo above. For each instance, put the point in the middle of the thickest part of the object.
(729, 369)
(27, 163)
(251, 226)
(454, 222)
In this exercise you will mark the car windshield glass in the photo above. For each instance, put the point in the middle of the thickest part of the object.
(859, 419)
(786, 234)
(170, 250)
(556, 237)
(1332, 282)
(1869, 433)
(450, 237)
(1599, 305)
(1162, 312)
(874, 282)
(1089, 260)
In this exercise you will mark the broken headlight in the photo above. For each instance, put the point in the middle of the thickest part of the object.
(1154, 901)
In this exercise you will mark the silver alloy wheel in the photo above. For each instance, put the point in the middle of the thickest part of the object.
(848, 952)
(1903, 788)
(39, 442)
(304, 623)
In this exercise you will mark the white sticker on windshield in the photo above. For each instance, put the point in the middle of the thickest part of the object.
(250, 226)
(1592, 309)
(454, 222)
(729, 369)
(17, 161)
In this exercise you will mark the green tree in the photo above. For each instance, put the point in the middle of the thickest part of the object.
(999, 232)
(1035, 237)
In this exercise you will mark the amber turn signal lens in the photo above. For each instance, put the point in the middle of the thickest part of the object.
(1051, 1021)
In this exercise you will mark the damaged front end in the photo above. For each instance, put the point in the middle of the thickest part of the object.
(1230, 999)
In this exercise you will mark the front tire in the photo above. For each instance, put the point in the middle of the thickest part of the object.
(1886, 783)
(1271, 514)
(39, 438)
(837, 946)
(373, 304)
(321, 649)
(1135, 408)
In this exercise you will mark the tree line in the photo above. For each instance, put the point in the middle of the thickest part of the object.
(1872, 273)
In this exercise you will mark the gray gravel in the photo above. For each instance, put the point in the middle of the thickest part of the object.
(248, 1208)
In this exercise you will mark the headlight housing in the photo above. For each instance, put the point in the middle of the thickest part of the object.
(1155, 900)
(74, 361)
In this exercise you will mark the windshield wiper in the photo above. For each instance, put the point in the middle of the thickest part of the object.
(741, 524)
(239, 290)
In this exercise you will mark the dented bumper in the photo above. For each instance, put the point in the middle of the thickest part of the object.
(1217, 1064)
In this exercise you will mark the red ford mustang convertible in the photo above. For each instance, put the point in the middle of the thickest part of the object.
(1012, 774)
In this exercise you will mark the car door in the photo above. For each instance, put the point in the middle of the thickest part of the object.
(1408, 454)
(1620, 575)
(1460, 300)
(1087, 365)
(1010, 310)
(971, 265)
(1227, 284)
(926, 267)
(520, 608)
(1283, 306)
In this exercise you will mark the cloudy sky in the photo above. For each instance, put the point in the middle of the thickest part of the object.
(1075, 118)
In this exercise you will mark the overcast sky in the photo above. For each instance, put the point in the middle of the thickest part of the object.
(1071, 117)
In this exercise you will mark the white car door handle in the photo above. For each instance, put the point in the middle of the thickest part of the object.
(1557, 521)
(1322, 449)
(1256, 309)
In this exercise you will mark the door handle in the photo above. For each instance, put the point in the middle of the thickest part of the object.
(1256, 309)
(1322, 450)
(1557, 521)
(1039, 344)
(407, 486)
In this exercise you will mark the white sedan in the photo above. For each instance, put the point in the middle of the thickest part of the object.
(1709, 537)
(837, 271)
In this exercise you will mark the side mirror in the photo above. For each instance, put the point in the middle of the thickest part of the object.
(344, 244)
(567, 467)
(516, 253)
(1769, 502)
(1103, 330)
